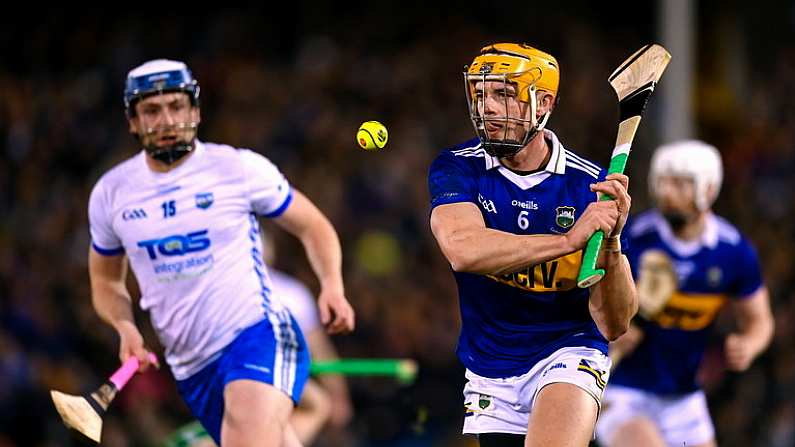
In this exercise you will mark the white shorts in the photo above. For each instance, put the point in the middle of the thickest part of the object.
(504, 405)
(681, 419)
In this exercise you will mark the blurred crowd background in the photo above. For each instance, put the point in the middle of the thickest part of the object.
(294, 83)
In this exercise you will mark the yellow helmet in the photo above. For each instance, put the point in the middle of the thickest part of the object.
(523, 66)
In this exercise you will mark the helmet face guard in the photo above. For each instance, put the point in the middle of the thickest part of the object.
(514, 127)
(184, 141)
(501, 87)
(160, 77)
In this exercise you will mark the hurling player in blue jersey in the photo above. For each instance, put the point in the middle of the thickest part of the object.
(184, 214)
(512, 211)
(688, 263)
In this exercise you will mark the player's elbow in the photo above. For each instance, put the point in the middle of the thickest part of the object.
(458, 252)
(613, 332)
(464, 261)
(617, 325)
(459, 262)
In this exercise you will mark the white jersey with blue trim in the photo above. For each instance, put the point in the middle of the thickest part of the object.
(193, 241)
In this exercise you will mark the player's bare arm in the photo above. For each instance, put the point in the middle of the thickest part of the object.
(113, 304)
(614, 300)
(755, 330)
(470, 246)
(305, 221)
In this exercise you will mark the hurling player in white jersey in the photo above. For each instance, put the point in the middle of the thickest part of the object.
(184, 213)
(688, 263)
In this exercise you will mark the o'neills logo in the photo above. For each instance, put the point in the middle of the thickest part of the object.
(527, 204)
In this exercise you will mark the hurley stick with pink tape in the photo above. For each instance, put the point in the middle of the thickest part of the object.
(84, 413)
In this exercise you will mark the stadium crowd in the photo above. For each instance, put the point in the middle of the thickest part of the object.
(296, 93)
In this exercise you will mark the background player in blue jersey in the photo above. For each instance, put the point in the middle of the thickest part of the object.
(512, 210)
(184, 213)
(688, 262)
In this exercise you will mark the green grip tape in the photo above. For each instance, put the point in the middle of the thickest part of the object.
(618, 163)
(589, 274)
(405, 370)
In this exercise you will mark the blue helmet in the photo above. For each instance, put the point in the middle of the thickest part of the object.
(159, 76)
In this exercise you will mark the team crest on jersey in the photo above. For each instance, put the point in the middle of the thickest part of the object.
(565, 216)
(484, 402)
(204, 200)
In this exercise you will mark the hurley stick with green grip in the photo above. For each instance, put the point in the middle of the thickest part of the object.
(634, 82)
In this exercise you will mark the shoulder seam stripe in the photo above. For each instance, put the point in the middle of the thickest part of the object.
(477, 153)
(583, 170)
(580, 165)
(582, 159)
(474, 154)
(464, 149)
(583, 163)
(470, 151)
(570, 154)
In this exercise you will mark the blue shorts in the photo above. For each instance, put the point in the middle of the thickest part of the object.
(272, 351)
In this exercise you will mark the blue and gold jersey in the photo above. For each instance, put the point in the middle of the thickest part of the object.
(697, 277)
(510, 322)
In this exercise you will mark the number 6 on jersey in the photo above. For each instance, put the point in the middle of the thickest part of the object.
(634, 81)
(522, 220)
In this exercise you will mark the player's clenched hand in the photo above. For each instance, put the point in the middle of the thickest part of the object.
(336, 313)
(739, 352)
(131, 344)
(597, 216)
(616, 186)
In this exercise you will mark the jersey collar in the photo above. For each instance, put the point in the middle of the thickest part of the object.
(708, 239)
